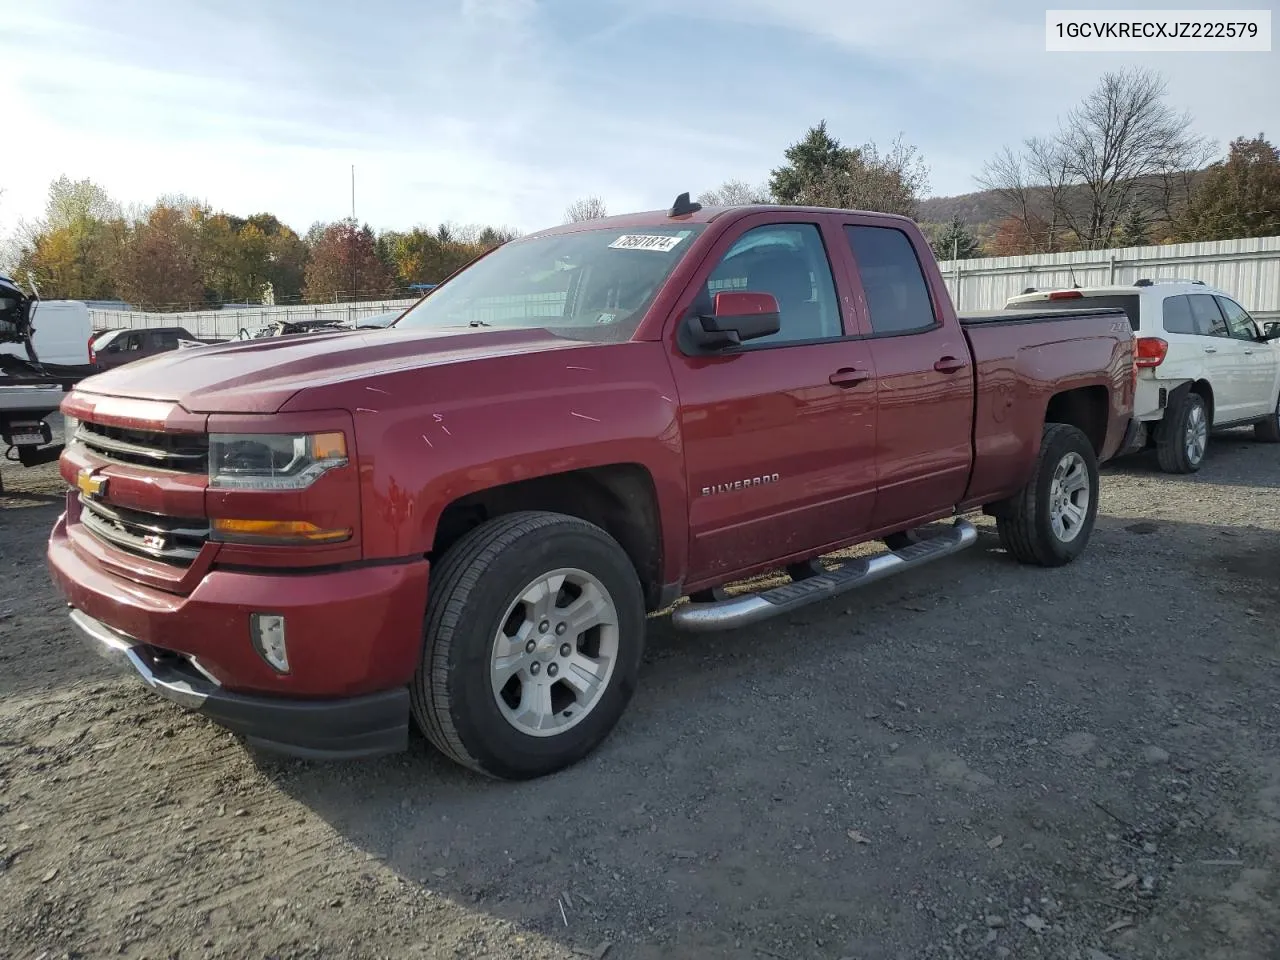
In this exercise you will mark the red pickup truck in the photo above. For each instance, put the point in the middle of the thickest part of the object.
(464, 519)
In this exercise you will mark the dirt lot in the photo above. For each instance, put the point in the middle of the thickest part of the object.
(976, 760)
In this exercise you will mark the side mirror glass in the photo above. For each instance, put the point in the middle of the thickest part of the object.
(736, 316)
(1271, 330)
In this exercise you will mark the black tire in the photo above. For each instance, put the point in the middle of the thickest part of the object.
(1268, 431)
(1173, 434)
(473, 587)
(1025, 522)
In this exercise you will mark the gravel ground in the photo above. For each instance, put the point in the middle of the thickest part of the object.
(974, 760)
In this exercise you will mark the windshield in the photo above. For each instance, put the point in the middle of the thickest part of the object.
(590, 285)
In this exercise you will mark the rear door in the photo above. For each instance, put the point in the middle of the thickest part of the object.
(779, 433)
(924, 381)
(1225, 360)
(1262, 365)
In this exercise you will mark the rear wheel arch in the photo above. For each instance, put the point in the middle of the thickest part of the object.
(1085, 408)
(1201, 388)
(619, 498)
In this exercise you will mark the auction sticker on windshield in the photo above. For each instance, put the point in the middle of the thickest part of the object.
(635, 241)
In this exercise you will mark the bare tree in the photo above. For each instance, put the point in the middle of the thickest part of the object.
(1123, 148)
(734, 193)
(585, 208)
(1121, 137)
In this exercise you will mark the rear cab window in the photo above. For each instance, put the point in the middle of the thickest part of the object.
(893, 282)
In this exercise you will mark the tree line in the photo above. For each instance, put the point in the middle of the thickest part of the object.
(180, 254)
(1123, 168)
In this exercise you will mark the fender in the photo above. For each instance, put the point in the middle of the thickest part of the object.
(429, 440)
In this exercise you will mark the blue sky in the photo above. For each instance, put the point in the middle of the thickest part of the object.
(504, 111)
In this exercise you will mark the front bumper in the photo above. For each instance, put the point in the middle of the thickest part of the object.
(362, 726)
(351, 631)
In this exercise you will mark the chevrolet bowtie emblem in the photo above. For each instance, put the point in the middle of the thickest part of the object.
(91, 485)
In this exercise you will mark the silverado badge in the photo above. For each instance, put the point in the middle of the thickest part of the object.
(90, 485)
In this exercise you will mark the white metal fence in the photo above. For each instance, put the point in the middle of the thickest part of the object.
(1249, 270)
(228, 323)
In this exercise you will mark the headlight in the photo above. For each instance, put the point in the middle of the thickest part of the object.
(262, 461)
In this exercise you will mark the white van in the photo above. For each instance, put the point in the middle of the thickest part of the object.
(63, 332)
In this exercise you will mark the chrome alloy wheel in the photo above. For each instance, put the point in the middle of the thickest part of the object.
(1069, 495)
(554, 654)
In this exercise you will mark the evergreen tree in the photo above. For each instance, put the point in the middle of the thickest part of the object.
(954, 241)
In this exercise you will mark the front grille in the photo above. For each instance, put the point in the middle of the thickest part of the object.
(168, 539)
(182, 452)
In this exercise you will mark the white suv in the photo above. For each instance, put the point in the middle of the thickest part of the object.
(1203, 363)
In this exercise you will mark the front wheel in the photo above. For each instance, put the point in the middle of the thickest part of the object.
(1049, 521)
(534, 635)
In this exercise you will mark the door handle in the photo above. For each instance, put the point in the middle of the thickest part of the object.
(1210, 349)
(1248, 353)
(848, 377)
(949, 365)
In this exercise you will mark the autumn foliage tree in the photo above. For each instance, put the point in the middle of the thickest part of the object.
(74, 249)
(345, 266)
(1238, 197)
(159, 267)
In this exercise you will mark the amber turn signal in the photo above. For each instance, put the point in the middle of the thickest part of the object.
(275, 531)
(328, 446)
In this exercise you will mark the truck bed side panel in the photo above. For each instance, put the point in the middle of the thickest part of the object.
(1020, 364)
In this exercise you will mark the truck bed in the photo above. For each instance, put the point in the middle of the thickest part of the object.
(1022, 359)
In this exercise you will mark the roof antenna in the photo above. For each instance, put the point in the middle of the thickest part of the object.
(1075, 284)
(683, 206)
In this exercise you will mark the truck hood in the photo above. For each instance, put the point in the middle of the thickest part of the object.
(260, 376)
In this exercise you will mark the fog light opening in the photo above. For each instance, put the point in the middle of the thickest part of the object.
(267, 632)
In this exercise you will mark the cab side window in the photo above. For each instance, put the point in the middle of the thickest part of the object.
(789, 261)
(1209, 319)
(898, 298)
(1239, 322)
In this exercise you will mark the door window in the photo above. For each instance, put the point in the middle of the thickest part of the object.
(789, 261)
(1177, 316)
(1209, 319)
(1239, 322)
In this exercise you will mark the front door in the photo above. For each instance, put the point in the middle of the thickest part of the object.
(779, 434)
(924, 398)
(1261, 364)
(1224, 359)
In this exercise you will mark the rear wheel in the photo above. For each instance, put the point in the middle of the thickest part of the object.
(1268, 431)
(534, 634)
(1049, 521)
(1183, 435)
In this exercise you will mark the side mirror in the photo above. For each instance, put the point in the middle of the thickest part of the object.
(736, 316)
(1271, 330)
